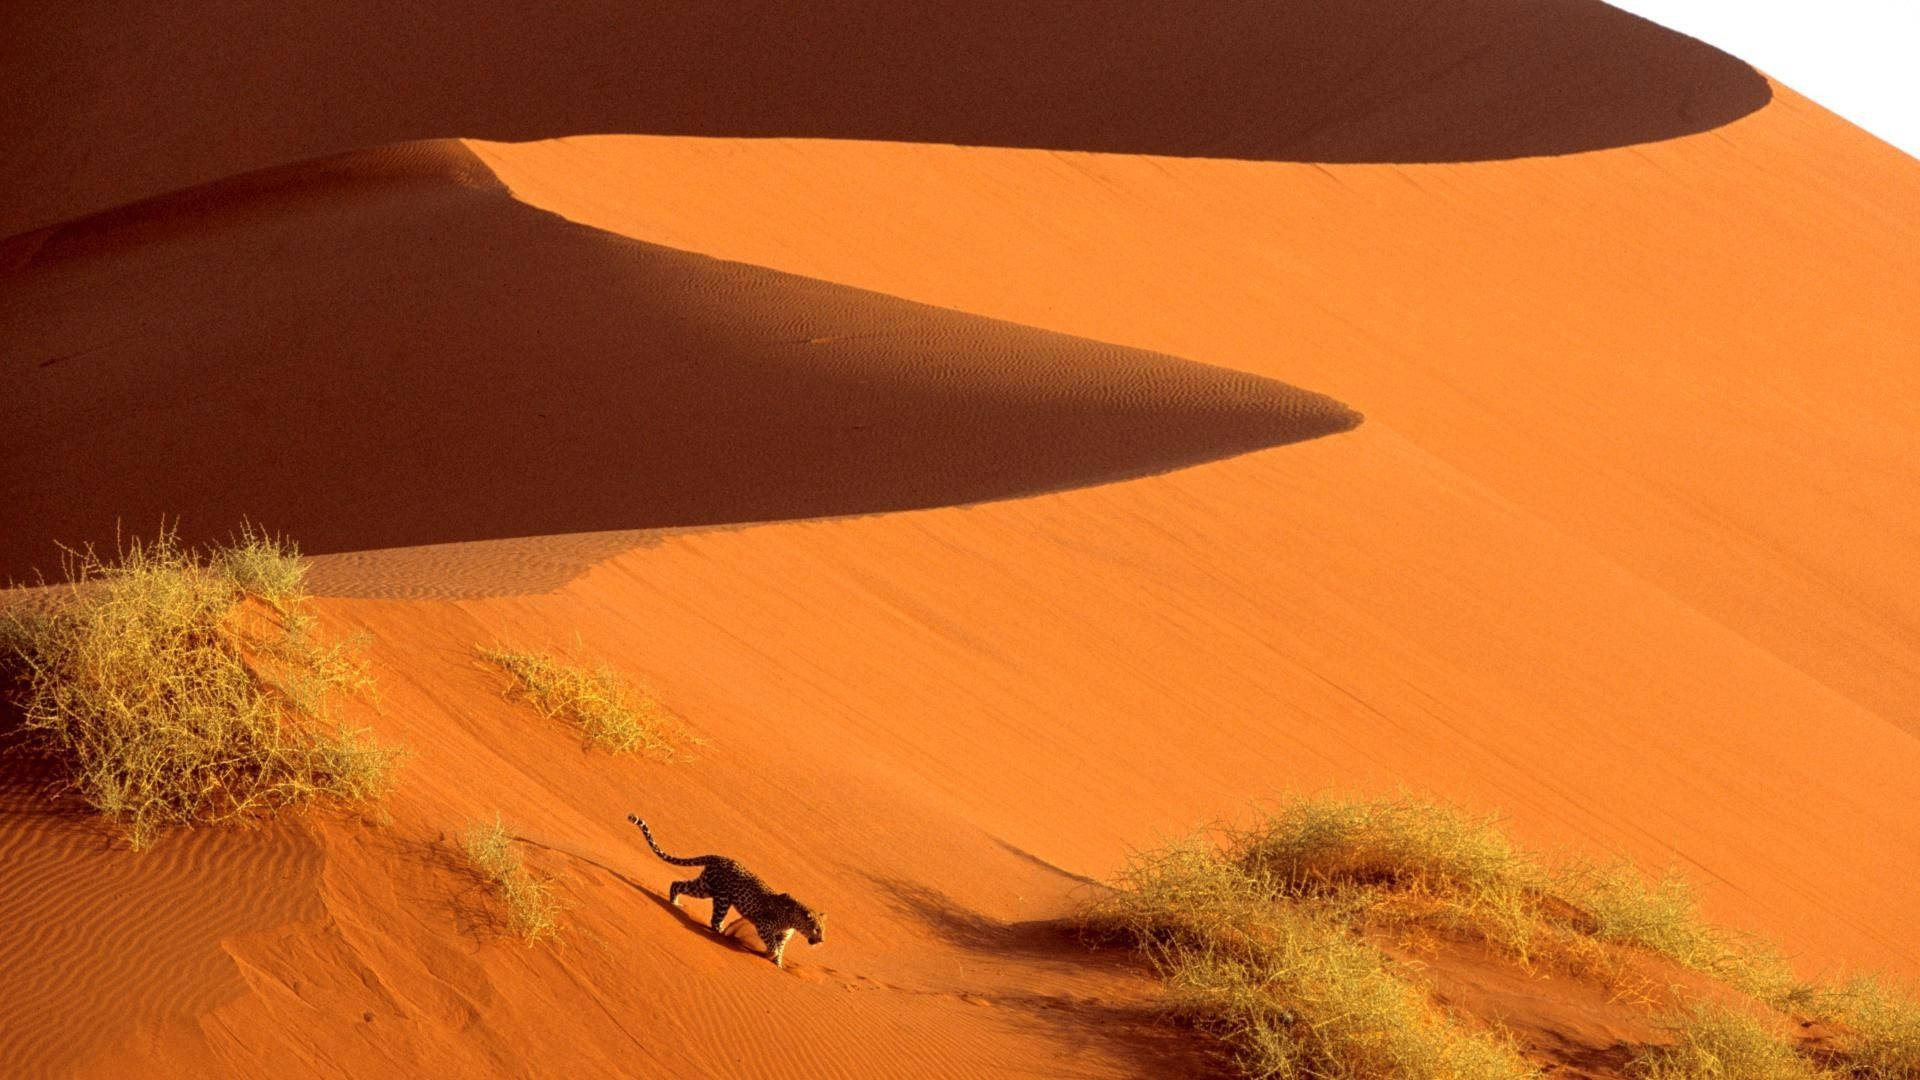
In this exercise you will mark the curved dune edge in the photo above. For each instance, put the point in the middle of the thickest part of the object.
(385, 350)
(939, 725)
(1684, 356)
(472, 568)
(1355, 81)
(1622, 553)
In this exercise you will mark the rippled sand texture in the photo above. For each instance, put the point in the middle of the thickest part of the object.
(955, 416)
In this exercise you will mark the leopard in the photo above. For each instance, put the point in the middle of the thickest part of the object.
(775, 916)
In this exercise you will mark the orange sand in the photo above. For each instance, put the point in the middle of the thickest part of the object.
(1622, 550)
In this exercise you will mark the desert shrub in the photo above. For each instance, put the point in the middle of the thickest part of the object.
(1879, 1031)
(263, 565)
(1400, 860)
(1317, 1002)
(169, 699)
(1286, 985)
(1400, 844)
(611, 711)
(1404, 861)
(532, 911)
(1265, 938)
(1662, 916)
(1714, 1042)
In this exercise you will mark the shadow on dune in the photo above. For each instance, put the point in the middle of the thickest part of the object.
(386, 350)
(1139, 1029)
(1030, 858)
(32, 780)
(730, 935)
(230, 86)
(964, 928)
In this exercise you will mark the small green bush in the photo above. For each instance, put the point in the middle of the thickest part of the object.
(170, 700)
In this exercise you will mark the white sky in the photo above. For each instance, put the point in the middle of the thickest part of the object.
(1860, 58)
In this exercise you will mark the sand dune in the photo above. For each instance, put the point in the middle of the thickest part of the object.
(471, 568)
(233, 87)
(100, 947)
(481, 370)
(1675, 357)
(952, 492)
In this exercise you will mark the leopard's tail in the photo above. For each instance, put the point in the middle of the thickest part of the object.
(703, 860)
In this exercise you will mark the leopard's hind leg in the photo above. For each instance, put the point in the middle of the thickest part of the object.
(720, 907)
(694, 888)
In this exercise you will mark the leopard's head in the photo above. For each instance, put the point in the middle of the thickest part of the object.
(812, 924)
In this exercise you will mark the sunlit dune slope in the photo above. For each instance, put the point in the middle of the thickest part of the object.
(341, 946)
(1623, 550)
(1691, 357)
(386, 350)
(226, 87)
(100, 944)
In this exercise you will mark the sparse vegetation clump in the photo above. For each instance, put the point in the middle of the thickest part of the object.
(532, 912)
(1289, 989)
(168, 698)
(1399, 861)
(1879, 1031)
(1715, 1042)
(1257, 945)
(1275, 939)
(1618, 905)
(265, 566)
(1405, 863)
(611, 711)
(1875, 1036)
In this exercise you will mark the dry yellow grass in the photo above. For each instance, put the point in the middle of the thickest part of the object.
(1624, 907)
(1713, 1042)
(532, 912)
(1408, 862)
(1262, 939)
(169, 699)
(1396, 861)
(1288, 987)
(1879, 1030)
(611, 711)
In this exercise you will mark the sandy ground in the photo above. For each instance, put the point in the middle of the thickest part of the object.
(993, 509)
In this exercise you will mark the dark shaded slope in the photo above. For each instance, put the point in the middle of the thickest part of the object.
(386, 349)
(108, 106)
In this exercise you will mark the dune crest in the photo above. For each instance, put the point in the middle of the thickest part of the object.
(949, 493)
(481, 369)
(1320, 80)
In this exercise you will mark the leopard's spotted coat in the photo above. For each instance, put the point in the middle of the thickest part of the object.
(775, 916)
